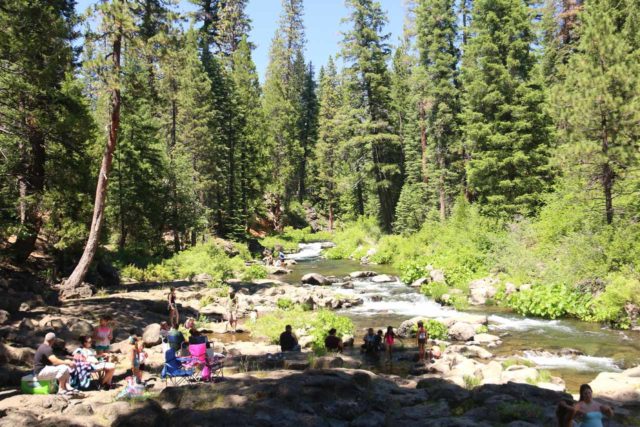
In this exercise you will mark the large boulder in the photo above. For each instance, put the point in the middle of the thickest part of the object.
(151, 335)
(485, 338)
(315, 279)
(437, 276)
(462, 331)
(79, 327)
(419, 282)
(469, 351)
(619, 386)
(83, 290)
(4, 317)
(482, 289)
(519, 374)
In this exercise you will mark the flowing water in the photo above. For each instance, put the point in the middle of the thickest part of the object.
(541, 341)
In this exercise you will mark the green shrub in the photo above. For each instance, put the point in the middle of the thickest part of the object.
(132, 272)
(254, 271)
(206, 300)
(436, 330)
(514, 411)
(517, 361)
(355, 239)
(482, 329)
(471, 382)
(285, 304)
(551, 302)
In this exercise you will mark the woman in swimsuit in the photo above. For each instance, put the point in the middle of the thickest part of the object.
(174, 317)
(589, 411)
(389, 340)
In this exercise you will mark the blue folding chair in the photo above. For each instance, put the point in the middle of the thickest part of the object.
(174, 372)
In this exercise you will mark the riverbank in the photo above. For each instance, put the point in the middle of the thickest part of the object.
(459, 389)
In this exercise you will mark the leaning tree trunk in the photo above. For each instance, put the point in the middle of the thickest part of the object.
(90, 249)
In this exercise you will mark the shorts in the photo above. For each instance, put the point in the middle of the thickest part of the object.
(51, 372)
(422, 341)
(103, 348)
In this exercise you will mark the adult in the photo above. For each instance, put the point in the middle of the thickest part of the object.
(172, 306)
(47, 366)
(332, 342)
(589, 410)
(103, 335)
(369, 345)
(422, 335)
(288, 341)
(86, 354)
(175, 338)
(232, 308)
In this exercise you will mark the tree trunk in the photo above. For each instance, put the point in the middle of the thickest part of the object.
(423, 142)
(31, 185)
(77, 277)
(330, 216)
(608, 175)
(174, 185)
(441, 187)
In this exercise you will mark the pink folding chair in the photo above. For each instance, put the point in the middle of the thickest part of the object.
(208, 367)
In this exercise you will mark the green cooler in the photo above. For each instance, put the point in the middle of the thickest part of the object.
(30, 385)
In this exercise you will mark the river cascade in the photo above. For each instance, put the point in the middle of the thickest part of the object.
(576, 351)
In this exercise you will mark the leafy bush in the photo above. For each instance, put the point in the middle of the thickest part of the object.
(355, 239)
(132, 272)
(284, 304)
(482, 329)
(289, 239)
(254, 271)
(436, 330)
(551, 302)
(517, 361)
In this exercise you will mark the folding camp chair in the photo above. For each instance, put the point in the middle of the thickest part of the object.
(175, 371)
(209, 364)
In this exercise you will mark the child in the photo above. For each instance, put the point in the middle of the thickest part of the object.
(134, 358)
(142, 355)
(174, 316)
(103, 335)
(423, 336)
(389, 340)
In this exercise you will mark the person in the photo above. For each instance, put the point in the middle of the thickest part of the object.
(267, 257)
(174, 316)
(195, 337)
(233, 311)
(134, 358)
(379, 341)
(590, 410)
(422, 336)
(281, 257)
(47, 366)
(103, 335)
(332, 342)
(288, 341)
(389, 340)
(369, 339)
(164, 331)
(175, 338)
(86, 354)
(142, 355)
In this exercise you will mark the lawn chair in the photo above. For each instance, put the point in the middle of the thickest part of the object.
(175, 372)
(209, 366)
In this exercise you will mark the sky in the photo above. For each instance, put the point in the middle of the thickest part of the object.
(322, 25)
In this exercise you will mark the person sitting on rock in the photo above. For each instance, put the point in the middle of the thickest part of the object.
(332, 342)
(589, 410)
(288, 341)
(86, 354)
(103, 335)
(369, 339)
(47, 366)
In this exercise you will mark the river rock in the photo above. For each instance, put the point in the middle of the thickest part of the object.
(421, 281)
(492, 373)
(437, 276)
(485, 338)
(202, 277)
(619, 386)
(382, 278)
(462, 331)
(79, 327)
(315, 279)
(362, 274)
(4, 317)
(482, 289)
(278, 270)
(469, 351)
(83, 290)
(519, 374)
(327, 245)
(151, 335)
(510, 288)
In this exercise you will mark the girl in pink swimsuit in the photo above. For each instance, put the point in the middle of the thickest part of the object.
(389, 340)
(102, 336)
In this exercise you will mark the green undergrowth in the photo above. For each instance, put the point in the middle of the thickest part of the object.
(208, 258)
(289, 239)
(314, 323)
(436, 330)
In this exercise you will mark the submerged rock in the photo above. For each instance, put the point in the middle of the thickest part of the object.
(362, 274)
(315, 279)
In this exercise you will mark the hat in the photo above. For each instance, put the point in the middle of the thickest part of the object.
(50, 336)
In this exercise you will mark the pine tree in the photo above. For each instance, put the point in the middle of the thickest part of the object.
(598, 104)
(36, 57)
(117, 25)
(234, 25)
(308, 128)
(436, 40)
(366, 51)
(505, 126)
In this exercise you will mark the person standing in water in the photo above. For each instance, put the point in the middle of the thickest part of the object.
(389, 341)
(233, 311)
(174, 316)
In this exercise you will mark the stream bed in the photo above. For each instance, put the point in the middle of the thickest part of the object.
(603, 349)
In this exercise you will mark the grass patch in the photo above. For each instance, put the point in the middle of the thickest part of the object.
(471, 382)
(517, 361)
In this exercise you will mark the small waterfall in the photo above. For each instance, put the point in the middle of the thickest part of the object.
(579, 363)
(526, 324)
(307, 252)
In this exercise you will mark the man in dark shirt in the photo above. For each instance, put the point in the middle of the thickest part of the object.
(288, 341)
(46, 366)
(332, 342)
(175, 338)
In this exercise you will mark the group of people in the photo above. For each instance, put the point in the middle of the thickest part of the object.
(276, 260)
(90, 357)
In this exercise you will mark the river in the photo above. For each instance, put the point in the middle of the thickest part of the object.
(604, 349)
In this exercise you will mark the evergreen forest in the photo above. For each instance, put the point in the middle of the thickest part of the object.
(494, 138)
